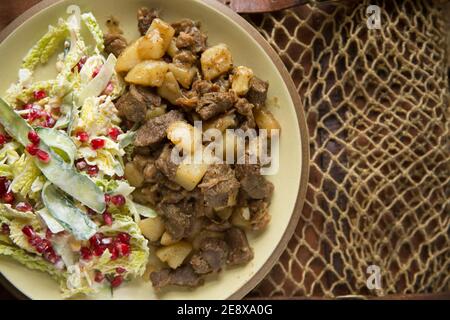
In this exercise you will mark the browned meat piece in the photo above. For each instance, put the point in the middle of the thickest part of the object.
(133, 104)
(218, 227)
(191, 28)
(257, 94)
(204, 86)
(187, 103)
(212, 256)
(115, 43)
(259, 214)
(165, 165)
(154, 130)
(252, 182)
(184, 40)
(184, 276)
(240, 250)
(214, 103)
(145, 18)
(177, 218)
(245, 109)
(224, 83)
(220, 186)
(185, 57)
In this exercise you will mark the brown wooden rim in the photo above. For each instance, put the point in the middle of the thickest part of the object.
(267, 266)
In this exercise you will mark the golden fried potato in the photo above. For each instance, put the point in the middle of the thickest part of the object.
(240, 82)
(148, 73)
(170, 89)
(129, 58)
(216, 61)
(175, 254)
(184, 75)
(152, 228)
(265, 120)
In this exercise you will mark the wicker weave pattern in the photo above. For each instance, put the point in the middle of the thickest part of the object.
(377, 109)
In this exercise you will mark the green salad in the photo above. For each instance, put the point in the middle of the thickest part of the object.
(65, 208)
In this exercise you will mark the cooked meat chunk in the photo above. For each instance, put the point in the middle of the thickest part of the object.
(183, 276)
(115, 43)
(185, 57)
(177, 218)
(220, 186)
(133, 105)
(240, 250)
(223, 82)
(145, 18)
(154, 130)
(165, 165)
(202, 87)
(245, 109)
(213, 103)
(218, 227)
(191, 35)
(212, 256)
(257, 94)
(259, 214)
(252, 182)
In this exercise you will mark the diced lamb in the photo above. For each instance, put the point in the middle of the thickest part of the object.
(220, 186)
(145, 18)
(212, 256)
(257, 94)
(165, 165)
(252, 182)
(115, 43)
(240, 250)
(178, 219)
(154, 130)
(214, 103)
(133, 105)
(183, 276)
(259, 214)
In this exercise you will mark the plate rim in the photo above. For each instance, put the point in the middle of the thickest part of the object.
(301, 120)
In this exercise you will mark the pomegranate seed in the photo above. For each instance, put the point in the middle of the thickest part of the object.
(82, 136)
(2, 139)
(24, 207)
(32, 149)
(123, 249)
(33, 115)
(48, 234)
(28, 231)
(98, 251)
(124, 237)
(43, 246)
(34, 137)
(92, 170)
(43, 156)
(107, 198)
(95, 72)
(27, 106)
(50, 122)
(108, 218)
(114, 251)
(3, 186)
(80, 64)
(35, 241)
(39, 95)
(81, 164)
(118, 200)
(117, 281)
(99, 277)
(121, 270)
(97, 144)
(9, 198)
(113, 133)
(96, 240)
(91, 212)
(51, 256)
(86, 253)
(5, 229)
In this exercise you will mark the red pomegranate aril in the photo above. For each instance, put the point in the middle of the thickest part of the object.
(35, 241)
(29, 231)
(2, 139)
(95, 72)
(32, 149)
(124, 238)
(96, 240)
(51, 256)
(86, 253)
(114, 133)
(50, 122)
(97, 144)
(27, 106)
(34, 137)
(98, 251)
(118, 200)
(107, 198)
(114, 251)
(43, 246)
(121, 270)
(24, 207)
(43, 156)
(82, 136)
(123, 249)
(33, 115)
(81, 164)
(39, 95)
(48, 234)
(92, 170)
(99, 277)
(116, 281)
(107, 218)
(3, 186)
(5, 229)
(91, 212)
(9, 198)
(80, 64)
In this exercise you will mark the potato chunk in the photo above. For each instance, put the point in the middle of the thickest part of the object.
(265, 120)
(216, 61)
(129, 58)
(148, 73)
(167, 239)
(175, 254)
(133, 175)
(152, 228)
(189, 175)
(157, 40)
(183, 75)
(169, 89)
(241, 80)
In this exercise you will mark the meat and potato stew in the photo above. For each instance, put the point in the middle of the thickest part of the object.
(205, 211)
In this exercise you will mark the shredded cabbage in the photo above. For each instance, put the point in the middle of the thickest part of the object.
(25, 174)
